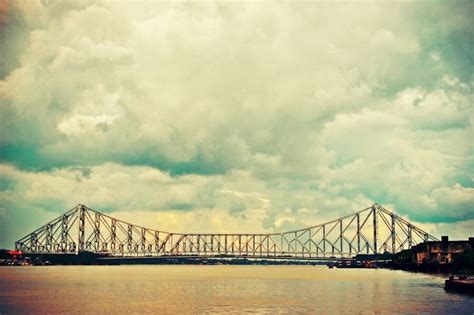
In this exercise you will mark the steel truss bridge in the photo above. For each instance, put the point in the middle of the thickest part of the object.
(370, 231)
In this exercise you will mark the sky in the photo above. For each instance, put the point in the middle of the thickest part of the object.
(236, 116)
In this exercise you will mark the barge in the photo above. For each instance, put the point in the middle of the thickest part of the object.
(461, 284)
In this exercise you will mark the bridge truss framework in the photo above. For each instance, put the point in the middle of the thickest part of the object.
(369, 231)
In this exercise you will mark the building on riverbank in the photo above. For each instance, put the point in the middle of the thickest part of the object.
(438, 256)
(441, 252)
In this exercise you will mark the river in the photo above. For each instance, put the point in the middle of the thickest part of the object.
(189, 289)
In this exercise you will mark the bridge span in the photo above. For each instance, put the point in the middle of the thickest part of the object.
(372, 230)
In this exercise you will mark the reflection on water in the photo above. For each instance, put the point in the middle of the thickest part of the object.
(223, 289)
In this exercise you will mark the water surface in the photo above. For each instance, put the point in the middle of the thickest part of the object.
(186, 289)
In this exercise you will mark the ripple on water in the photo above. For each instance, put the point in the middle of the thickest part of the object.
(223, 289)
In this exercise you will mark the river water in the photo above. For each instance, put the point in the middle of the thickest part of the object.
(189, 289)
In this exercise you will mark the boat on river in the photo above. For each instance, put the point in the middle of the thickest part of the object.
(461, 284)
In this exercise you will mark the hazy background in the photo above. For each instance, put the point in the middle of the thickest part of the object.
(237, 117)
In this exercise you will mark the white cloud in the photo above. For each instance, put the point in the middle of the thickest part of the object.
(78, 124)
(385, 39)
(435, 56)
(188, 80)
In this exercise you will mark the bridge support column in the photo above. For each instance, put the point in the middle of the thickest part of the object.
(64, 233)
(340, 235)
(97, 232)
(324, 240)
(49, 238)
(393, 235)
(358, 233)
(113, 235)
(410, 239)
(129, 238)
(81, 226)
(374, 214)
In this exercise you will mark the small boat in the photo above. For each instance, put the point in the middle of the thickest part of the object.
(460, 284)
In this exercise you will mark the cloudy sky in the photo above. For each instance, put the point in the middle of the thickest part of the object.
(236, 117)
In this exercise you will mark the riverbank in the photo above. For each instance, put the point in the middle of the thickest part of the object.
(462, 264)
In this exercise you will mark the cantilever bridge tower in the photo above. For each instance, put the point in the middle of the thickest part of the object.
(369, 231)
